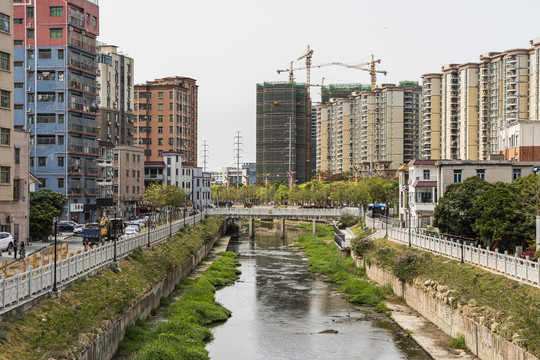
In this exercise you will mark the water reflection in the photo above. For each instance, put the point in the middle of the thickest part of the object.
(280, 309)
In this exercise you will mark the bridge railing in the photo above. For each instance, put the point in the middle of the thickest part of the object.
(510, 265)
(270, 211)
(34, 282)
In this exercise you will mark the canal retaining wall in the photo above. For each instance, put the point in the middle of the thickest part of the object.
(105, 345)
(431, 303)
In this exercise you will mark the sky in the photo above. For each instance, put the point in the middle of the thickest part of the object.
(230, 46)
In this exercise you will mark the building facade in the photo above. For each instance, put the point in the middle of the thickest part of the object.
(283, 132)
(481, 103)
(370, 132)
(128, 182)
(166, 117)
(56, 95)
(116, 116)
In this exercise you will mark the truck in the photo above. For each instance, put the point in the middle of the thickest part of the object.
(107, 229)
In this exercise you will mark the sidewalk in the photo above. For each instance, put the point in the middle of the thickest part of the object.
(34, 247)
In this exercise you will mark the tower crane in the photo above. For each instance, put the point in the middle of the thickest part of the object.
(362, 66)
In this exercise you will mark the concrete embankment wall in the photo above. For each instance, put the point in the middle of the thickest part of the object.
(104, 346)
(432, 305)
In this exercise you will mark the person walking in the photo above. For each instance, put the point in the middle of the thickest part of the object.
(15, 249)
(22, 252)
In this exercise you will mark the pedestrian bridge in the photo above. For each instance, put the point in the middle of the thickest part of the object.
(271, 213)
(282, 214)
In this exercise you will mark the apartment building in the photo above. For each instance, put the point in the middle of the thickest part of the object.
(56, 95)
(480, 104)
(166, 118)
(201, 189)
(116, 104)
(128, 182)
(283, 131)
(431, 116)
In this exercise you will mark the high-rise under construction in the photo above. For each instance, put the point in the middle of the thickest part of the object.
(283, 134)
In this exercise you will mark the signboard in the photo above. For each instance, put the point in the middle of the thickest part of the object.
(90, 207)
(104, 202)
(76, 207)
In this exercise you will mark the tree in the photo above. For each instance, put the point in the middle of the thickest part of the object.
(459, 197)
(499, 217)
(45, 205)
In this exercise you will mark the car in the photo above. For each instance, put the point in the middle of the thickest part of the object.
(6, 241)
(66, 226)
(130, 230)
(77, 230)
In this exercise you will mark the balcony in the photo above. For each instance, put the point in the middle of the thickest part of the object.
(82, 41)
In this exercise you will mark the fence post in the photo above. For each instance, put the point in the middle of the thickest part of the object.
(527, 268)
(3, 278)
(17, 281)
(30, 271)
(505, 260)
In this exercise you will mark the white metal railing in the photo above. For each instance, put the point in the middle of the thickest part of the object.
(265, 211)
(34, 282)
(509, 265)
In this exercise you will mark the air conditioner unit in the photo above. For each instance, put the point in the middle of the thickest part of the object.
(28, 46)
(10, 218)
(29, 25)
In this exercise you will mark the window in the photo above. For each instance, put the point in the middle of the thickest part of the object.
(160, 152)
(46, 75)
(46, 97)
(61, 76)
(60, 161)
(138, 158)
(16, 189)
(127, 157)
(170, 118)
(60, 139)
(5, 60)
(94, 20)
(5, 99)
(171, 129)
(481, 173)
(60, 54)
(17, 42)
(17, 156)
(44, 53)
(160, 130)
(60, 118)
(170, 94)
(56, 33)
(29, 12)
(17, 63)
(17, 21)
(60, 183)
(171, 106)
(426, 174)
(61, 97)
(457, 176)
(43, 182)
(42, 161)
(4, 22)
(147, 152)
(115, 173)
(133, 189)
(160, 118)
(160, 107)
(46, 139)
(30, 54)
(133, 172)
(56, 11)
(160, 95)
(30, 33)
(87, 18)
(517, 174)
(30, 76)
(160, 141)
(4, 136)
(5, 172)
(127, 189)
(127, 173)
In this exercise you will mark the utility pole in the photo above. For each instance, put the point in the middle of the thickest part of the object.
(237, 143)
(205, 155)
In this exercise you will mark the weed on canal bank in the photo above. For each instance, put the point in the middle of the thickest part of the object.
(324, 260)
(183, 335)
(62, 328)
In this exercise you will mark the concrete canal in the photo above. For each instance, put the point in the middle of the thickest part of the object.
(280, 311)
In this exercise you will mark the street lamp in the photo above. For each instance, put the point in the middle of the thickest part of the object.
(54, 289)
(386, 208)
(114, 235)
(409, 218)
(461, 213)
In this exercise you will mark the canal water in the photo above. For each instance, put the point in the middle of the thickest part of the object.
(281, 311)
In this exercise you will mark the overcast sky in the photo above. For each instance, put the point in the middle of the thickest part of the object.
(230, 46)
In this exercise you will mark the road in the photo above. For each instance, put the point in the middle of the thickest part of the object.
(75, 243)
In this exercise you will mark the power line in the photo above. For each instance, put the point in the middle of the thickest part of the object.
(237, 143)
(205, 155)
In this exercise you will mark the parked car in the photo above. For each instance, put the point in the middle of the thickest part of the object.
(130, 230)
(77, 230)
(67, 226)
(6, 241)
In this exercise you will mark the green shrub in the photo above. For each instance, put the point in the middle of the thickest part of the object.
(407, 266)
(459, 343)
(347, 220)
(360, 245)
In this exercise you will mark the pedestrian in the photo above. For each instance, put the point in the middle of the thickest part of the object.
(22, 252)
(15, 249)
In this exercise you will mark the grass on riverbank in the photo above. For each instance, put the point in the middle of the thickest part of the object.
(184, 335)
(61, 328)
(324, 260)
(509, 308)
